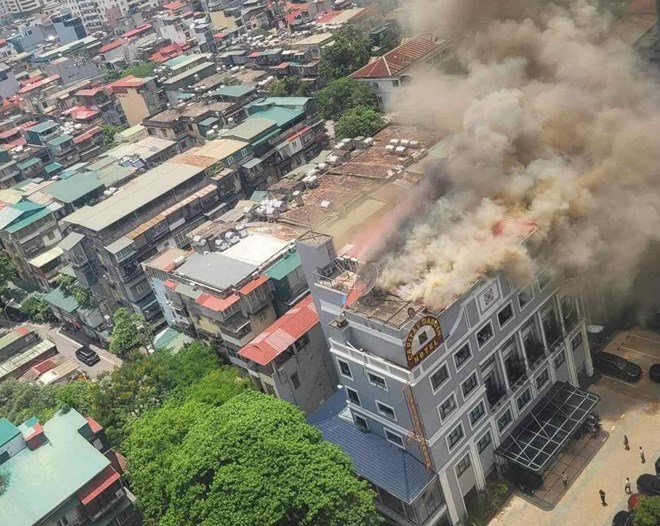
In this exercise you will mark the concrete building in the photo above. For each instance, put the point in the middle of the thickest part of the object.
(72, 61)
(24, 7)
(21, 349)
(68, 27)
(138, 97)
(8, 83)
(447, 392)
(61, 472)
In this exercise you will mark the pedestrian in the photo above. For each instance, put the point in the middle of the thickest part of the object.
(627, 487)
(641, 454)
(602, 497)
(625, 442)
(564, 479)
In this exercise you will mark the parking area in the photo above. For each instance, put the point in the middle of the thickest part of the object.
(625, 409)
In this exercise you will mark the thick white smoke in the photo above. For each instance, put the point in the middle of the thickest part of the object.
(554, 122)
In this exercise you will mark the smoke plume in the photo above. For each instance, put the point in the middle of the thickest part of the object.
(551, 121)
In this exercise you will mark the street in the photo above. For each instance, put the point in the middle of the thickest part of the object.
(68, 343)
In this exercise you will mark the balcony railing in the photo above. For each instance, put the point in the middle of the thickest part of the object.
(496, 395)
(535, 352)
(515, 372)
(553, 334)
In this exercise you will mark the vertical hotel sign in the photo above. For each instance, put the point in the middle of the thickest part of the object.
(423, 339)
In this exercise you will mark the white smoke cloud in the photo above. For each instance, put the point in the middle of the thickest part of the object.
(553, 122)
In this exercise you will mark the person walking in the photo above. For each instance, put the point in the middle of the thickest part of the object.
(564, 479)
(627, 487)
(641, 454)
(625, 443)
(602, 497)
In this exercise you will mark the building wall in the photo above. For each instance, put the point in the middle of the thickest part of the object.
(134, 105)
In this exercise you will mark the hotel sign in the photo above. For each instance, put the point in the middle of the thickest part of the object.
(424, 338)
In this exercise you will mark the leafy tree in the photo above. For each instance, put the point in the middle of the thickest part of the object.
(359, 121)
(130, 332)
(253, 460)
(7, 272)
(342, 95)
(390, 38)
(230, 81)
(69, 286)
(37, 310)
(648, 512)
(351, 50)
(218, 386)
(290, 87)
(20, 401)
(144, 69)
(109, 132)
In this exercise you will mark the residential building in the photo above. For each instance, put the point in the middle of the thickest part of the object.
(64, 461)
(388, 73)
(8, 83)
(74, 316)
(10, 172)
(20, 349)
(145, 153)
(69, 28)
(137, 97)
(103, 100)
(449, 388)
(108, 241)
(72, 61)
(186, 78)
(24, 7)
(290, 359)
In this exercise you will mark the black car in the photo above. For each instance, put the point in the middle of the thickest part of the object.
(648, 484)
(654, 373)
(623, 518)
(87, 356)
(614, 365)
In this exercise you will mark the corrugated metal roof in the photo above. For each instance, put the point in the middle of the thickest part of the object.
(284, 266)
(75, 187)
(26, 221)
(71, 241)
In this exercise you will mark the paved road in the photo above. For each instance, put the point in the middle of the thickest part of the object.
(68, 343)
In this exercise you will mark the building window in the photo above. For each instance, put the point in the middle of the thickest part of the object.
(439, 377)
(525, 296)
(447, 407)
(484, 334)
(376, 380)
(360, 422)
(295, 380)
(455, 436)
(505, 315)
(345, 369)
(477, 413)
(504, 420)
(139, 288)
(300, 342)
(469, 385)
(542, 379)
(386, 410)
(524, 399)
(559, 359)
(484, 442)
(393, 438)
(543, 280)
(463, 465)
(462, 356)
(353, 396)
(576, 341)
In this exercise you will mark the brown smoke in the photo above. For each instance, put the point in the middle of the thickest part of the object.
(554, 122)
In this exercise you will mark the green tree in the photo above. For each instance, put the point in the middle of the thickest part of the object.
(253, 460)
(20, 401)
(218, 386)
(130, 332)
(230, 81)
(648, 512)
(109, 132)
(7, 272)
(359, 121)
(69, 286)
(342, 95)
(141, 70)
(37, 310)
(290, 87)
(351, 50)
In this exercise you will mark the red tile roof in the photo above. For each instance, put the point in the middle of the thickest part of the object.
(97, 485)
(169, 284)
(82, 113)
(94, 425)
(8, 133)
(137, 31)
(39, 83)
(173, 6)
(128, 82)
(111, 46)
(44, 366)
(88, 134)
(401, 57)
(253, 285)
(217, 304)
(90, 92)
(283, 333)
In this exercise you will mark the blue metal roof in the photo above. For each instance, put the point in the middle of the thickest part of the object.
(387, 466)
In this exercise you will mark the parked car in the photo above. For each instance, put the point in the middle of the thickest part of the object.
(613, 365)
(87, 356)
(654, 373)
(648, 484)
(623, 518)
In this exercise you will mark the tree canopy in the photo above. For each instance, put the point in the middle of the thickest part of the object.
(648, 512)
(252, 460)
(69, 286)
(350, 51)
(130, 332)
(144, 69)
(290, 86)
(342, 95)
(358, 121)
(7, 272)
(37, 309)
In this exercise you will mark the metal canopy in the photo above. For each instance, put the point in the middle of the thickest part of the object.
(540, 435)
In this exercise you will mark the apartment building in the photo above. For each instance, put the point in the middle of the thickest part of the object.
(21, 349)
(72, 61)
(447, 396)
(62, 473)
(108, 241)
(138, 97)
(23, 7)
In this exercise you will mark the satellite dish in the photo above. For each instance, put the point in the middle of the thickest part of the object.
(365, 281)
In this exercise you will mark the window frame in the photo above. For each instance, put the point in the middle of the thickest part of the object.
(375, 384)
(387, 431)
(357, 395)
(295, 379)
(529, 288)
(492, 334)
(513, 315)
(497, 422)
(480, 417)
(460, 467)
(464, 362)
(438, 408)
(562, 355)
(444, 382)
(363, 418)
(339, 363)
(473, 375)
(480, 448)
(378, 408)
(544, 373)
(526, 392)
(451, 446)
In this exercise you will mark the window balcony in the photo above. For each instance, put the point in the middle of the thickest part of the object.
(515, 371)
(535, 352)
(553, 334)
(496, 395)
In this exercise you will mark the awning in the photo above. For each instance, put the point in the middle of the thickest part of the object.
(548, 427)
